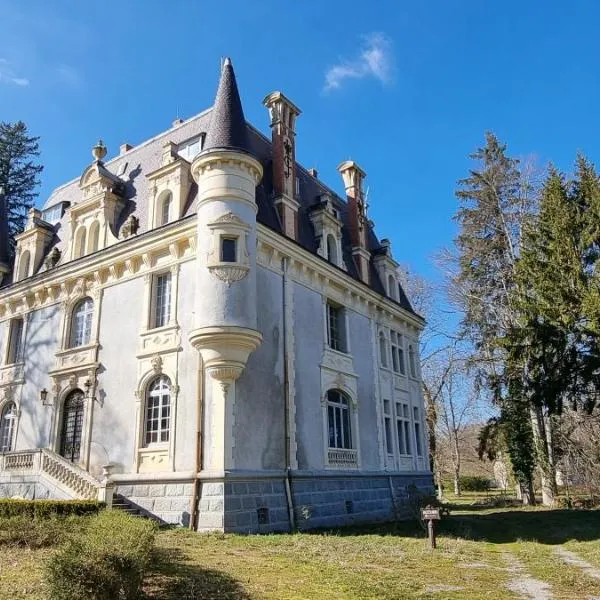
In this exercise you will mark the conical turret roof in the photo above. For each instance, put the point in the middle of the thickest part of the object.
(227, 130)
(4, 257)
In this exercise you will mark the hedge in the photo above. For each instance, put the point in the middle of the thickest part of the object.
(42, 509)
(107, 561)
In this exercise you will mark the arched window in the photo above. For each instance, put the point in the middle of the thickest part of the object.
(81, 323)
(157, 423)
(7, 426)
(383, 350)
(72, 426)
(338, 420)
(164, 206)
(79, 243)
(391, 287)
(24, 265)
(93, 237)
(332, 253)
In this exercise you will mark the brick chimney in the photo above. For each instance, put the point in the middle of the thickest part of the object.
(353, 177)
(283, 132)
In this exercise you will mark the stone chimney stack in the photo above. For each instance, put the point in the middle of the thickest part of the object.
(353, 177)
(283, 131)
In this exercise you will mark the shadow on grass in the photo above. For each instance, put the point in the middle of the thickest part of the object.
(171, 577)
(503, 527)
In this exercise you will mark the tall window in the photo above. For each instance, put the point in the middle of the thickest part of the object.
(403, 428)
(15, 342)
(338, 420)
(387, 423)
(383, 350)
(336, 327)
(93, 237)
(332, 253)
(158, 411)
(412, 363)
(391, 287)
(24, 265)
(161, 301)
(7, 426)
(418, 440)
(165, 208)
(81, 323)
(397, 352)
(72, 426)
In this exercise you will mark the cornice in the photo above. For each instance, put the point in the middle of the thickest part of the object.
(135, 256)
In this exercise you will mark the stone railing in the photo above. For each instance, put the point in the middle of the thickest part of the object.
(342, 458)
(45, 462)
(20, 461)
(70, 475)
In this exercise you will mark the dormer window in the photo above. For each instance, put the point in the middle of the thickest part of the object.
(332, 250)
(190, 149)
(165, 207)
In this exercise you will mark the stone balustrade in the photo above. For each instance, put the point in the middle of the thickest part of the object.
(342, 458)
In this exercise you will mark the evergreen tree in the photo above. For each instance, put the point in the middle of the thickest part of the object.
(496, 202)
(19, 173)
(554, 341)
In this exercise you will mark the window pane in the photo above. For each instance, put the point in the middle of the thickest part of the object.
(418, 439)
(81, 323)
(331, 425)
(400, 432)
(158, 411)
(15, 351)
(347, 432)
(228, 250)
(7, 425)
(162, 300)
(388, 436)
(407, 436)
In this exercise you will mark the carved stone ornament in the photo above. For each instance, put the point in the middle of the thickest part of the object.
(130, 227)
(229, 218)
(229, 273)
(52, 258)
(157, 364)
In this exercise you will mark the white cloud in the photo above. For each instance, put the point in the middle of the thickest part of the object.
(374, 60)
(8, 76)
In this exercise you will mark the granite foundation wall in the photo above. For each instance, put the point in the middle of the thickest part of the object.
(259, 505)
(169, 501)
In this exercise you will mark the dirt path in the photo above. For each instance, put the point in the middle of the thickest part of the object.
(573, 559)
(523, 584)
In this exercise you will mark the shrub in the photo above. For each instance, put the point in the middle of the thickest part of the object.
(23, 531)
(577, 502)
(42, 509)
(107, 562)
(475, 483)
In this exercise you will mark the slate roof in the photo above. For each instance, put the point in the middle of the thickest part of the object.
(224, 127)
(227, 124)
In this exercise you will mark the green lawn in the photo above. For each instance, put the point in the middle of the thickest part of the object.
(482, 553)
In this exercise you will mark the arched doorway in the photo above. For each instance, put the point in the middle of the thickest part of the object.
(72, 426)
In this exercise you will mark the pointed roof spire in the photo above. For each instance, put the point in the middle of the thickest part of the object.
(227, 128)
(4, 256)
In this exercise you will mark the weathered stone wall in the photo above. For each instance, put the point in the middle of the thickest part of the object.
(31, 487)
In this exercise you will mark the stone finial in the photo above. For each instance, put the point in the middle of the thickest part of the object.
(99, 151)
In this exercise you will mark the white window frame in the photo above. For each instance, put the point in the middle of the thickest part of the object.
(15, 347)
(389, 442)
(83, 338)
(158, 388)
(397, 351)
(384, 358)
(339, 343)
(403, 428)
(412, 361)
(166, 308)
(8, 426)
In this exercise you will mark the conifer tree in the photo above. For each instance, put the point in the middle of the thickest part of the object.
(19, 173)
(496, 201)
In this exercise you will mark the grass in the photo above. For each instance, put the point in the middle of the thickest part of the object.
(477, 552)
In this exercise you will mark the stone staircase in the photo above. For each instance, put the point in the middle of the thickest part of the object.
(119, 502)
(51, 472)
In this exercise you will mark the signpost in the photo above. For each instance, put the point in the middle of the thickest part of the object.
(431, 514)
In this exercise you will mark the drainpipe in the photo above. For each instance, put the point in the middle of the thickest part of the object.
(199, 456)
(286, 398)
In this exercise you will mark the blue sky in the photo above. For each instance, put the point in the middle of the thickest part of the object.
(407, 89)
